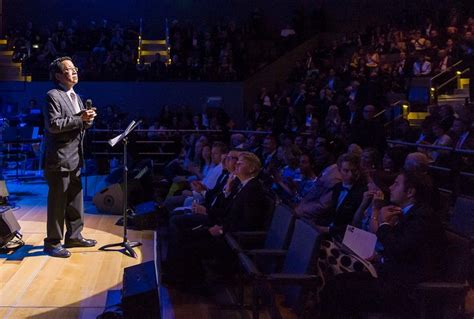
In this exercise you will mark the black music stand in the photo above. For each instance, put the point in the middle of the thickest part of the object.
(128, 245)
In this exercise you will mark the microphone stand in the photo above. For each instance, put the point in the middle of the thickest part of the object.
(126, 244)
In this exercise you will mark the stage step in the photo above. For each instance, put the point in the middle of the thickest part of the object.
(151, 47)
(415, 118)
(9, 70)
(156, 42)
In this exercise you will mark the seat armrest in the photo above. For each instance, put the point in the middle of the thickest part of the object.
(233, 244)
(249, 266)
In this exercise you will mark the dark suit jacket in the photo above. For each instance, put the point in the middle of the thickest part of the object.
(414, 249)
(246, 210)
(343, 215)
(213, 193)
(64, 132)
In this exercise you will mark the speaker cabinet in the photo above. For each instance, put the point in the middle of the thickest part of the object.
(109, 200)
(140, 292)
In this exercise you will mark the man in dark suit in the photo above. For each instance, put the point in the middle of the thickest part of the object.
(245, 212)
(370, 132)
(346, 197)
(414, 245)
(207, 214)
(65, 123)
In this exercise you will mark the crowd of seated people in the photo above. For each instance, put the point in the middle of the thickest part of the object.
(328, 185)
(328, 159)
(101, 51)
(105, 51)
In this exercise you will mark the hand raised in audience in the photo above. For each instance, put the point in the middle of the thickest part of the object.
(198, 186)
(378, 199)
(199, 209)
(389, 214)
(216, 230)
(367, 197)
(228, 188)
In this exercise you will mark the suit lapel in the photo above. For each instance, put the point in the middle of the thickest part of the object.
(79, 101)
(66, 101)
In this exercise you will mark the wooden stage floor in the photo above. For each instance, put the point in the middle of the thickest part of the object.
(34, 285)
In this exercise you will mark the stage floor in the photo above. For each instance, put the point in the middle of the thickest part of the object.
(34, 285)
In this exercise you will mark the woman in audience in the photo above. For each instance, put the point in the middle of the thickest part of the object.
(369, 162)
(203, 164)
(442, 139)
(289, 155)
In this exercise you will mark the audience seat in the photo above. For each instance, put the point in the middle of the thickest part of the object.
(462, 219)
(276, 239)
(446, 299)
(295, 276)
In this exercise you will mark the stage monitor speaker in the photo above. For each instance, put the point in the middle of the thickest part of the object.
(8, 226)
(109, 200)
(140, 292)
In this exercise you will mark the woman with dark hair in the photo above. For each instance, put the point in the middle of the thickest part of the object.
(393, 160)
(442, 139)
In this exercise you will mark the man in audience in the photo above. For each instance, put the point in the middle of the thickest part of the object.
(414, 251)
(417, 161)
(245, 212)
(208, 213)
(346, 197)
(268, 156)
(208, 182)
(370, 132)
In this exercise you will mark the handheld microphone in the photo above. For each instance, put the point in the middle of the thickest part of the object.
(88, 104)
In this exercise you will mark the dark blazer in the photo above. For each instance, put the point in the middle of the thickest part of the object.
(246, 211)
(64, 132)
(213, 193)
(340, 217)
(414, 249)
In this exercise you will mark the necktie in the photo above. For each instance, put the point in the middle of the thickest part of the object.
(74, 102)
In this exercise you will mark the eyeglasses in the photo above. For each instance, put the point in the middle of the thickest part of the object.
(232, 158)
(70, 70)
